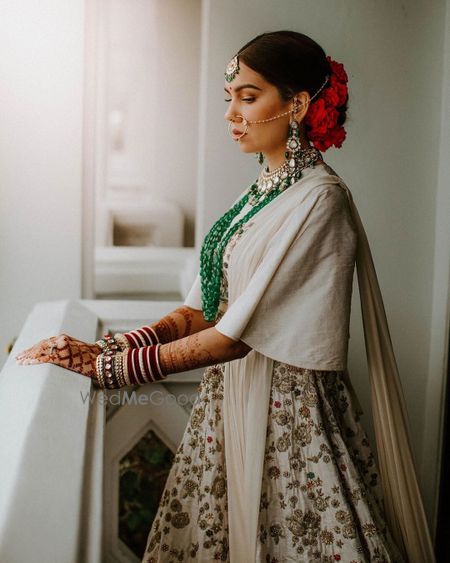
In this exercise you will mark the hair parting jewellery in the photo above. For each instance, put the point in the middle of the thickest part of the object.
(232, 69)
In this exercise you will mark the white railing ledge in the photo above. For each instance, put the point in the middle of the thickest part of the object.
(52, 436)
(51, 445)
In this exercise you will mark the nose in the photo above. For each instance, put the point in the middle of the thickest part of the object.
(227, 115)
(230, 114)
(233, 117)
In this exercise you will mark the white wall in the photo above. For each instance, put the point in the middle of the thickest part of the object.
(393, 54)
(40, 156)
(152, 75)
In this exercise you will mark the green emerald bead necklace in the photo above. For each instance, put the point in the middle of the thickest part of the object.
(266, 188)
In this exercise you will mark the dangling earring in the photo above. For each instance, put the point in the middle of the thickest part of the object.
(259, 157)
(293, 145)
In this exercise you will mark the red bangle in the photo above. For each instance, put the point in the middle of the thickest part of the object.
(130, 370)
(143, 365)
(144, 336)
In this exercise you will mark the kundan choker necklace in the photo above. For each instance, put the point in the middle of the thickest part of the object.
(284, 176)
(266, 188)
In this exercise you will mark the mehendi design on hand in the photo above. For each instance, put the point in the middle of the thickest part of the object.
(64, 351)
(75, 355)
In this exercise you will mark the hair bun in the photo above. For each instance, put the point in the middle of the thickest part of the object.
(326, 116)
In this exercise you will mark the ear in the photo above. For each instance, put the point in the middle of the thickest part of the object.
(303, 101)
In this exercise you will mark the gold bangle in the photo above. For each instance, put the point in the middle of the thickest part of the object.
(99, 370)
(122, 341)
(110, 378)
(119, 370)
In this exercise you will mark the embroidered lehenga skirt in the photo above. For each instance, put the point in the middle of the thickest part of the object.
(321, 496)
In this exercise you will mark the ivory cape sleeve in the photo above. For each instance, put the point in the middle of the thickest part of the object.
(295, 306)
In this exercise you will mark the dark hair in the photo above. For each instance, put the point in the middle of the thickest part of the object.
(291, 61)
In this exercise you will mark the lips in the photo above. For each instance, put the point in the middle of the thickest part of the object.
(235, 133)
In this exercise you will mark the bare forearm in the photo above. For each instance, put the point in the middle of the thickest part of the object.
(204, 348)
(183, 321)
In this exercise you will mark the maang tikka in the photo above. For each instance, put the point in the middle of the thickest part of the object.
(232, 69)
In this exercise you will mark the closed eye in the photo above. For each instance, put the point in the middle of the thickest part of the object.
(248, 100)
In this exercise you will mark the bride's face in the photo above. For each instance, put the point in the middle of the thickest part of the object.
(249, 95)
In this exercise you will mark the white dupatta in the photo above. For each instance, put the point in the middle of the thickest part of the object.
(290, 283)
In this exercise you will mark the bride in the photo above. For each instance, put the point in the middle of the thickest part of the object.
(275, 464)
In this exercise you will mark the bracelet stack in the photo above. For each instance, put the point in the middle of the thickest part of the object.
(135, 366)
(110, 372)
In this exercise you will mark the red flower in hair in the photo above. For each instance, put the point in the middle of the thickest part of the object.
(337, 136)
(321, 120)
(331, 96)
(321, 117)
(337, 69)
(340, 89)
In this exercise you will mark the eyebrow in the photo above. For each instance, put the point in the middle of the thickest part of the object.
(242, 86)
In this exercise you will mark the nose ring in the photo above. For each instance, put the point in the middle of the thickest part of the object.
(230, 127)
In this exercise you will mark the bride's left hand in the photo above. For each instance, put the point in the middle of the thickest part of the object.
(64, 351)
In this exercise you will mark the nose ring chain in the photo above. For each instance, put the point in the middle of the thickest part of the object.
(271, 118)
(246, 122)
(293, 110)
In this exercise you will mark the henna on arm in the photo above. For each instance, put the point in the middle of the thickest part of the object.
(181, 322)
(204, 348)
